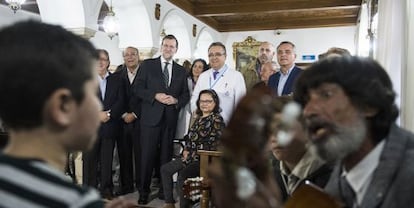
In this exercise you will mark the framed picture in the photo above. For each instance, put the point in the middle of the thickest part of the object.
(245, 53)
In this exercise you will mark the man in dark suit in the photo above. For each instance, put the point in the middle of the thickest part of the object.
(111, 95)
(130, 119)
(349, 106)
(162, 85)
(282, 82)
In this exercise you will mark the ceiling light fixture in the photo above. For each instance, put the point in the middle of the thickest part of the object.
(110, 23)
(15, 4)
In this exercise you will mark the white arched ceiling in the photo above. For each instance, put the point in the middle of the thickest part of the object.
(203, 42)
(62, 12)
(134, 23)
(174, 24)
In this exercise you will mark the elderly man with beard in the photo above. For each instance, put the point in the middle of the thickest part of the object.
(349, 106)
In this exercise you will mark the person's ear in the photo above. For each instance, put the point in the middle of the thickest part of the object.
(370, 112)
(59, 107)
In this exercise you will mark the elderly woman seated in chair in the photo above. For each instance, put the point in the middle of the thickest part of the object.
(204, 134)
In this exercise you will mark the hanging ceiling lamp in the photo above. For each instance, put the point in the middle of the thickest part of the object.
(110, 23)
(15, 4)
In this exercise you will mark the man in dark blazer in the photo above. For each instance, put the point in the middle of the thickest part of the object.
(282, 82)
(162, 85)
(130, 118)
(111, 95)
(349, 106)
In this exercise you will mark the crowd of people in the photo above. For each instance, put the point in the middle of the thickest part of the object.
(343, 138)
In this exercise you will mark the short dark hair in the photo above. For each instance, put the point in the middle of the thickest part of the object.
(36, 59)
(216, 100)
(218, 44)
(363, 80)
(205, 66)
(170, 37)
(286, 42)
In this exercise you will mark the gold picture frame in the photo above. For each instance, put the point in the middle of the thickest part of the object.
(245, 53)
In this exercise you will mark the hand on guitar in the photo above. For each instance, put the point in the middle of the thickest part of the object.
(192, 188)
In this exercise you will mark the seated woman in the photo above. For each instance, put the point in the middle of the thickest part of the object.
(243, 178)
(202, 135)
(295, 162)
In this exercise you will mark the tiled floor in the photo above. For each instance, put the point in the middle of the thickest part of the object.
(153, 198)
(155, 202)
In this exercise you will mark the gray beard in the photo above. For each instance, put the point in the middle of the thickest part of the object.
(345, 141)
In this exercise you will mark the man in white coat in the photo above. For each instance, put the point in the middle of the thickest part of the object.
(228, 83)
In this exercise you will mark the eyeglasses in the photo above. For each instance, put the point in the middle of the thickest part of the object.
(130, 55)
(103, 59)
(206, 101)
(214, 55)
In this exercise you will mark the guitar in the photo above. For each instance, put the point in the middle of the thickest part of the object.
(193, 187)
(309, 195)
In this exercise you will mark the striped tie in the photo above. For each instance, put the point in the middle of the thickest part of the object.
(166, 75)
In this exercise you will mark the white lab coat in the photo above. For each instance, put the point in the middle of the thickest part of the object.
(230, 88)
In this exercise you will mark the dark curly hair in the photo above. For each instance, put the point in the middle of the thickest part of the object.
(363, 80)
(205, 67)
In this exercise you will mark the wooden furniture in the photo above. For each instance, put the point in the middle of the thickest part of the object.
(206, 159)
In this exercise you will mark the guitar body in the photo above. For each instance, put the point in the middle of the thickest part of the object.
(310, 196)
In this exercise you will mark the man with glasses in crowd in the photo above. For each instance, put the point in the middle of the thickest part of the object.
(227, 82)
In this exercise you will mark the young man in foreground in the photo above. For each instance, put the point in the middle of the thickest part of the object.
(48, 103)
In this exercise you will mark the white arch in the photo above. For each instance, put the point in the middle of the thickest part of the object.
(134, 23)
(62, 13)
(174, 24)
(203, 41)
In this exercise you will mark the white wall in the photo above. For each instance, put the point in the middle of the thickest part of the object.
(102, 41)
(313, 41)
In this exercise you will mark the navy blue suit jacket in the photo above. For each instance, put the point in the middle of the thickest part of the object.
(132, 104)
(149, 81)
(288, 88)
(113, 101)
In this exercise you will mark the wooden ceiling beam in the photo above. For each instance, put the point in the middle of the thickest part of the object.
(184, 5)
(211, 22)
(287, 24)
(229, 8)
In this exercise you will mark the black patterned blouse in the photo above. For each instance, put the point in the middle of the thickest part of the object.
(204, 134)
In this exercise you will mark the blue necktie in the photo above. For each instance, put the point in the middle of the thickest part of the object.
(215, 74)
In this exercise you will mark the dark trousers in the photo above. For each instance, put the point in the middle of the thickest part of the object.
(106, 158)
(99, 157)
(154, 140)
(90, 161)
(126, 144)
(184, 172)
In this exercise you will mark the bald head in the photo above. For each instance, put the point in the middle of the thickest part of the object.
(266, 52)
(268, 69)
